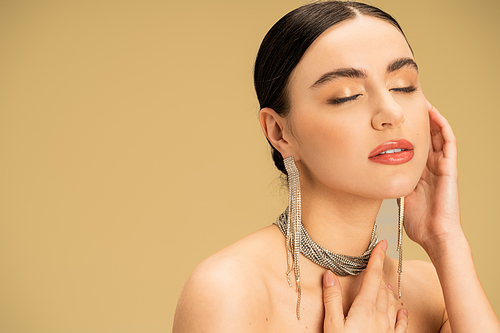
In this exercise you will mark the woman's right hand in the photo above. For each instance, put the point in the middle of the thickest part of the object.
(374, 308)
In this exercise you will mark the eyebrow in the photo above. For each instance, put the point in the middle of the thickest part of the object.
(400, 63)
(338, 73)
(359, 74)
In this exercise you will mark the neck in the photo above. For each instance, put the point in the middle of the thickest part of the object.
(341, 223)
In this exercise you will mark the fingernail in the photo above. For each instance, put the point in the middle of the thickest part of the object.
(389, 286)
(384, 245)
(406, 312)
(329, 279)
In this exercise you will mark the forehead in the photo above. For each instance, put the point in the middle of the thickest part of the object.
(365, 43)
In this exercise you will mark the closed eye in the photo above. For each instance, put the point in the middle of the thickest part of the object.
(337, 101)
(405, 89)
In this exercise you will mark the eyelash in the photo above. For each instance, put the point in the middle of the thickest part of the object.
(338, 101)
(343, 100)
(405, 89)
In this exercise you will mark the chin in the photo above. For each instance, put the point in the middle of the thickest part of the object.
(403, 183)
(398, 188)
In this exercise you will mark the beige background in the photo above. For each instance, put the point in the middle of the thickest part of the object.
(130, 148)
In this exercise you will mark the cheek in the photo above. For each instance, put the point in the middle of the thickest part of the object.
(319, 135)
(329, 143)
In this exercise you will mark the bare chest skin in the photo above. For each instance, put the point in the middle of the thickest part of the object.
(278, 315)
(248, 291)
(281, 314)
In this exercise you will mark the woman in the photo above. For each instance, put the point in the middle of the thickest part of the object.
(343, 110)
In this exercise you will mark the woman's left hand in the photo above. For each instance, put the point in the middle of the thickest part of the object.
(432, 212)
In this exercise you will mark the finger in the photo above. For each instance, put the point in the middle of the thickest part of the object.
(402, 321)
(382, 297)
(437, 141)
(440, 124)
(429, 105)
(374, 274)
(332, 298)
(391, 308)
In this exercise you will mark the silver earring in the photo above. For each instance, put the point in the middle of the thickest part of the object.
(294, 226)
(401, 213)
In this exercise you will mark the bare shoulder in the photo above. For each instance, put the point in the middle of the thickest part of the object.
(227, 291)
(421, 281)
(422, 293)
(423, 273)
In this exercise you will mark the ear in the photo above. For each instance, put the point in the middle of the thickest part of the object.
(273, 126)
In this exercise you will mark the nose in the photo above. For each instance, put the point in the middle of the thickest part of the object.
(388, 113)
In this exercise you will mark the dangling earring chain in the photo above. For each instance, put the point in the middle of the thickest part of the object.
(294, 225)
(401, 213)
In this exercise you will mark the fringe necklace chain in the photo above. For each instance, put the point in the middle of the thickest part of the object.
(339, 264)
(300, 241)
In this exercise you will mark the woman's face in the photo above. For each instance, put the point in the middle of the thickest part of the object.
(354, 94)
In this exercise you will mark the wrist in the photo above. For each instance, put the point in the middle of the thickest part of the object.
(442, 246)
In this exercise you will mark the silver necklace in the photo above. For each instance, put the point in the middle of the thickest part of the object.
(339, 264)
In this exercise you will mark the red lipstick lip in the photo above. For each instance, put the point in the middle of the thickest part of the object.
(393, 158)
(393, 144)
